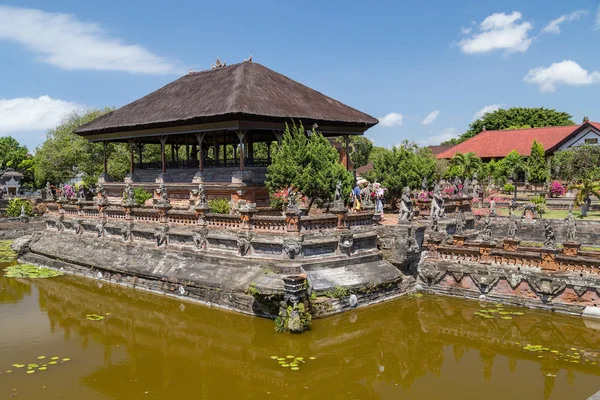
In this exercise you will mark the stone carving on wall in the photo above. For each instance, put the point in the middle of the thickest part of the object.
(102, 197)
(243, 244)
(437, 204)
(484, 282)
(546, 288)
(571, 226)
(128, 196)
(411, 241)
(78, 226)
(127, 232)
(461, 223)
(493, 208)
(60, 225)
(406, 206)
(346, 242)
(431, 273)
(457, 185)
(162, 197)
(549, 236)
(81, 197)
(101, 228)
(467, 189)
(435, 223)
(486, 232)
(199, 239)
(292, 206)
(424, 184)
(293, 248)
(338, 203)
(161, 235)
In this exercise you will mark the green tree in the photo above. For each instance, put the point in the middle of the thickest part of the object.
(511, 165)
(587, 187)
(537, 167)
(515, 117)
(11, 152)
(466, 164)
(309, 163)
(576, 163)
(65, 155)
(360, 149)
(404, 165)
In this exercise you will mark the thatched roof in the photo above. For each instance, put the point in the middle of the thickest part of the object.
(241, 91)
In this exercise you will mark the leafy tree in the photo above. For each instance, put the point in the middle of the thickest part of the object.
(11, 152)
(537, 166)
(586, 188)
(404, 165)
(376, 151)
(360, 149)
(466, 164)
(309, 163)
(576, 163)
(512, 165)
(515, 117)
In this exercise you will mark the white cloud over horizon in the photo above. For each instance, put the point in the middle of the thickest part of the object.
(447, 134)
(499, 31)
(21, 117)
(485, 110)
(566, 72)
(554, 25)
(63, 41)
(430, 117)
(392, 119)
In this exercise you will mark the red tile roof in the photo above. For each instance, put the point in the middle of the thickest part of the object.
(498, 144)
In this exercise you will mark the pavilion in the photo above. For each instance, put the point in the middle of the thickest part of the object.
(207, 111)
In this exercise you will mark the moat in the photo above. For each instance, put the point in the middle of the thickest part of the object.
(156, 347)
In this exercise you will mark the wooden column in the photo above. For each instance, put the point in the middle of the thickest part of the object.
(140, 150)
(268, 152)
(105, 156)
(241, 135)
(216, 151)
(172, 153)
(347, 143)
(250, 150)
(131, 159)
(163, 158)
(187, 149)
(200, 138)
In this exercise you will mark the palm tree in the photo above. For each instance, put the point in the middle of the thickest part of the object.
(513, 164)
(585, 189)
(468, 163)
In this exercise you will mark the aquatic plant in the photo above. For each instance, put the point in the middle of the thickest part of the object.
(290, 361)
(31, 271)
(6, 252)
(40, 365)
(94, 317)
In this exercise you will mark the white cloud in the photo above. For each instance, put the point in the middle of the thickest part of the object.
(390, 120)
(499, 31)
(28, 114)
(597, 22)
(554, 25)
(485, 110)
(447, 134)
(430, 117)
(63, 41)
(567, 72)
(465, 31)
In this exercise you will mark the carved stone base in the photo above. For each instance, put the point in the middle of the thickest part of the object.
(130, 178)
(459, 240)
(571, 248)
(104, 178)
(511, 244)
(242, 177)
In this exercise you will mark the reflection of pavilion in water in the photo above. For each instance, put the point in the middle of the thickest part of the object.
(225, 351)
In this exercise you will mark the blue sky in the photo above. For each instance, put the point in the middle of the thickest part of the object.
(425, 69)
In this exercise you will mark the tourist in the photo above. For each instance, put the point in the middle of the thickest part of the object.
(356, 193)
(379, 192)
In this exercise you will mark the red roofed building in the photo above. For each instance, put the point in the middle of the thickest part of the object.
(490, 145)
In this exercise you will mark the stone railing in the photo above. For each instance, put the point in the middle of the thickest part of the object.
(260, 220)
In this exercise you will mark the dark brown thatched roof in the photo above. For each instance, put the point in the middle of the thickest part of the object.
(242, 91)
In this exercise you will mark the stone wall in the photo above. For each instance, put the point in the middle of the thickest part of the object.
(12, 228)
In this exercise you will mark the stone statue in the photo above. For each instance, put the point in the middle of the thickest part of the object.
(161, 235)
(199, 239)
(78, 225)
(367, 198)
(81, 194)
(570, 225)
(512, 225)
(411, 242)
(292, 247)
(292, 206)
(424, 184)
(346, 241)
(49, 192)
(486, 231)
(101, 228)
(202, 195)
(126, 232)
(128, 196)
(467, 188)
(460, 223)
(60, 225)
(437, 205)
(338, 191)
(457, 185)
(162, 199)
(435, 227)
(102, 197)
(406, 206)
(243, 244)
(493, 208)
(549, 236)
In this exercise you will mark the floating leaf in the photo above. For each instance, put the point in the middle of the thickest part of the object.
(52, 362)
(281, 362)
(293, 364)
(285, 365)
(31, 271)
(31, 371)
(42, 368)
(66, 359)
(506, 317)
(281, 359)
(289, 356)
(9, 371)
(312, 358)
(573, 348)
(299, 358)
(272, 357)
(41, 357)
(55, 358)
(295, 368)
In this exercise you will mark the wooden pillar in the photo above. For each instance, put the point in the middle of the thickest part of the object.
(140, 151)
(105, 156)
(250, 150)
(347, 143)
(187, 149)
(216, 151)
(131, 159)
(235, 151)
(172, 153)
(268, 152)
(225, 149)
(163, 158)
(241, 135)
(200, 138)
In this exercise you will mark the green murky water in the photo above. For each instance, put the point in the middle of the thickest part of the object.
(151, 347)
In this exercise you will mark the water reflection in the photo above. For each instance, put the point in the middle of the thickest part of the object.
(156, 345)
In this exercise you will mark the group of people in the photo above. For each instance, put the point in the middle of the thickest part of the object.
(366, 193)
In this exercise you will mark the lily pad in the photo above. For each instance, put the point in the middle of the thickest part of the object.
(289, 356)
(293, 365)
(272, 357)
(9, 371)
(66, 359)
(312, 358)
(52, 362)
(294, 368)
(54, 358)
(41, 357)
(281, 359)
(31, 271)
(31, 371)
(285, 365)
(506, 317)
(42, 368)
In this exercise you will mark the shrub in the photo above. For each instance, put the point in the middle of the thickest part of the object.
(557, 189)
(219, 206)
(508, 188)
(14, 207)
(140, 195)
(540, 204)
